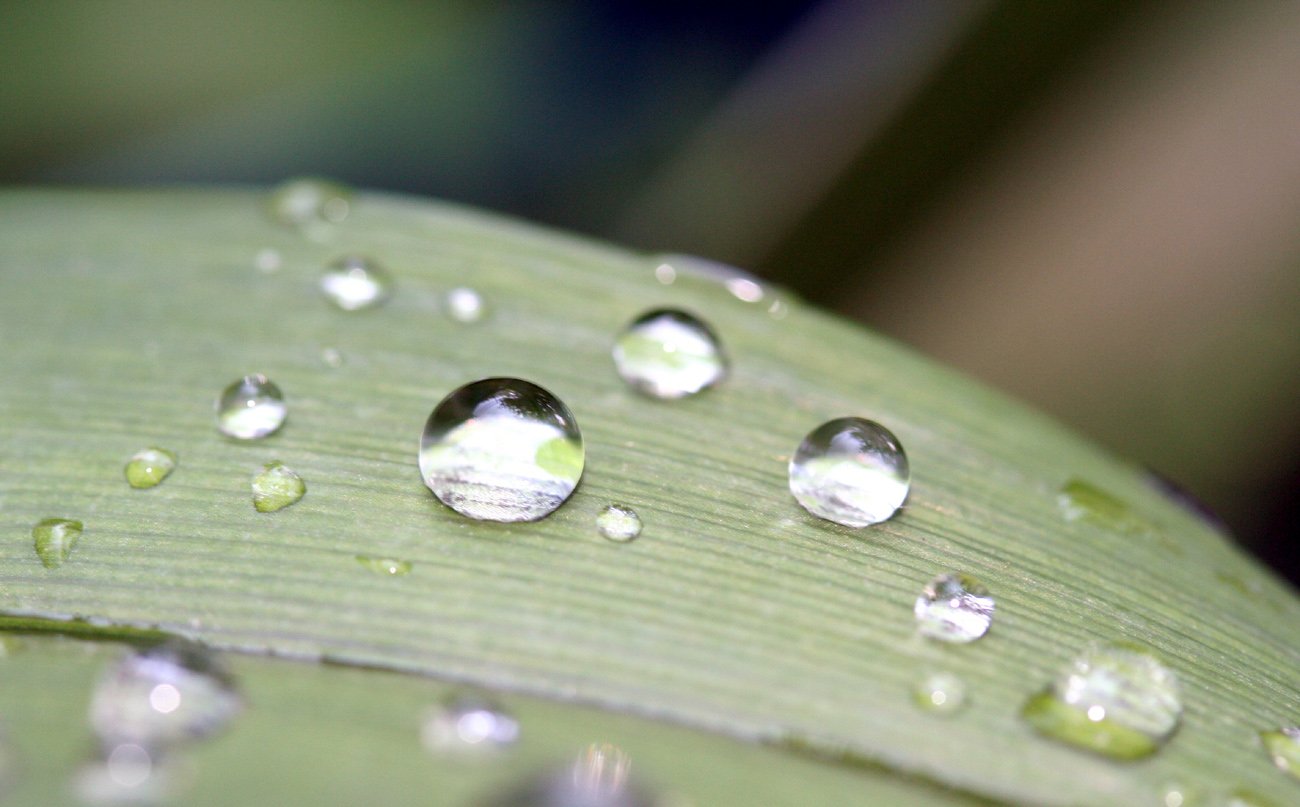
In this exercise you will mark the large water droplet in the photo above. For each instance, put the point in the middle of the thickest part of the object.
(954, 608)
(251, 408)
(850, 471)
(148, 467)
(306, 201)
(466, 305)
(501, 449)
(354, 283)
(1116, 701)
(669, 354)
(1283, 747)
(276, 487)
(618, 522)
(391, 567)
(162, 695)
(941, 693)
(467, 724)
(54, 539)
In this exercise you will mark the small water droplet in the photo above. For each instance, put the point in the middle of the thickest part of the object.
(466, 305)
(744, 289)
(1116, 701)
(941, 693)
(332, 357)
(163, 695)
(276, 487)
(466, 724)
(665, 274)
(54, 539)
(1174, 796)
(129, 774)
(251, 408)
(669, 354)
(1081, 500)
(150, 466)
(354, 283)
(1283, 747)
(386, 566)
(501, 449)
(779, 309)
(301, 202)
(268, 260)
(850, 471)
(618, 522)
(954, 608)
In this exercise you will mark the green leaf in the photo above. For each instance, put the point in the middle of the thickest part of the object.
(735, 611)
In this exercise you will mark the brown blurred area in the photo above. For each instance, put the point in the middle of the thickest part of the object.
(1094, 206)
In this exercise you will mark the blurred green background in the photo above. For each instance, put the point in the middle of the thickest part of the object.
(1094, 206)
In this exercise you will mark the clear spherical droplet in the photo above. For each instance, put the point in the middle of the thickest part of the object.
(162, 695)
(618, 522)
(353, 283)
(251, 408)
(466, 305)
(501, 449)
(276, 487)
(1116, 701)
(669, 354)
(941, 693)
(54, 539)
(850, 471)
(1283, 747)
(469, 725)
(301, 202)
(954, 608)
(149, 467)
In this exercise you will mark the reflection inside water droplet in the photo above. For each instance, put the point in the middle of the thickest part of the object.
(354, 283)
(469, 724)
(251, 408)
(618, 522)
(850, 471)
(954, 608)
(669, 354)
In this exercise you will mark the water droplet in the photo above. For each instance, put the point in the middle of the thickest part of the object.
(850, 471)
(268, 260)
(332, 357)
(669, 354)
(941, 693)
(148, 467)
(127, 774)
(1081, 500)
(388, 566)
(251, 408)
(618, 523)
(466, 305)
(1174, 796)
(466, 724)
(665, 274)
(501, 449)
(954, 608)
(1116, 701)
(276, 487)
(1283, 747)
(354, 283)
(55, 539)
(163, 695)
(301, 202)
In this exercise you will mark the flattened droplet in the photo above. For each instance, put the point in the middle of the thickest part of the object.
(391, 567)
(502, 449)
(354, 283)
(668, 354)
(850, 471)
(55, 539)
(1283, 747)
(618, 522)
(466, 724)
(251, 408)
(276, 487)
(1083, 501)
(954, 608)
(149, 467)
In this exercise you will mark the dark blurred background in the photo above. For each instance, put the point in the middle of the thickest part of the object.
(1092, 205)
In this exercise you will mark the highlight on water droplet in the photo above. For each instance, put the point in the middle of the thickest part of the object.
(668, 354)
(1115, 700)
(466, 305)
(501, 449)
(127, 774)
(1080, 500)
(163, 695)
(954, 608)
(354, 283)
(251, 408)
(1283, 747)
(468, 724)
(850, 471)
(391, 567)
(306, 201)
(149, 466)
(276, 487)
(940, 693)
(618, 522)
(55, 539)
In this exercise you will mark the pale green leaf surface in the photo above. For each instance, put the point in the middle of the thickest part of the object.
(125, 314)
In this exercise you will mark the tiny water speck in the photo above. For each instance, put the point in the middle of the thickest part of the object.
(940, 693)
(618, 522)
(466, 305)
(251, 408)
(55, 539)
(1117, 701)
(268, 260)
(667, 354)
(302, 202)
(392, 567)
(276, 487)
(954, 608)
(332, 357)
(501, 449)
(850, 471)
(126, 774)
(1283, 747)
(354, 283)
(149, 467)
(468, 724)
(163, 695)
